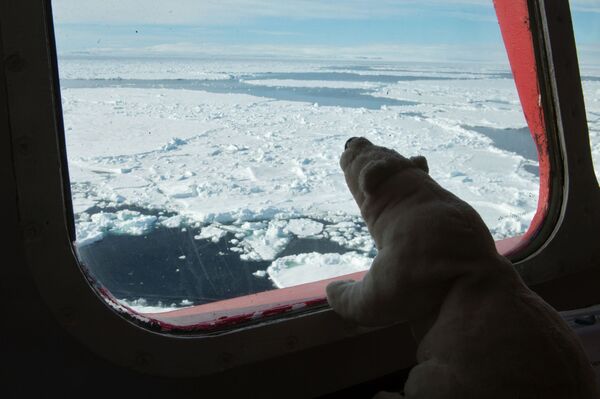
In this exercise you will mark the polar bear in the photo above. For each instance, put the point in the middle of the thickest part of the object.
(481, 332)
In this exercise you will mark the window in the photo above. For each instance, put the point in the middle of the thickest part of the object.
(203, 140)
(318, 339)
(586, 24)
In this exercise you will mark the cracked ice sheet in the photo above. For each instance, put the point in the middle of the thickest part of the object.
(231, 158)
(162, 68)
(266, 239)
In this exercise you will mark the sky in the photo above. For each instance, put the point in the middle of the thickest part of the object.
(421, 29)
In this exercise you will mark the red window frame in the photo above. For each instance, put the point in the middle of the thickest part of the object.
(514, 20)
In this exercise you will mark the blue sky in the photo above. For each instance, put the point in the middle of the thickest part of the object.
(419, 28)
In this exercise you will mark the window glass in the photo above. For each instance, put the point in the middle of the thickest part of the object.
(586, 24)
(203, 138)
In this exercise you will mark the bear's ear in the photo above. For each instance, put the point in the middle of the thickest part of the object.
(374, 173)
(420, 162)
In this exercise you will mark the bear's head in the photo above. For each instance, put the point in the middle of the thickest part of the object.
(366, 166)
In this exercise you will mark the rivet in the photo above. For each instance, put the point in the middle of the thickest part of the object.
(14, 63)
(574, 112)
(24, 145)
(143, 359)
(31, 232)
(226, 358)
(291, 342)
(69, 315)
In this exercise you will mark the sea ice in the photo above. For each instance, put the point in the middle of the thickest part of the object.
(304, 227)
(141, 305)
(266, 170)
(212, 233)
(304, 268)
(266, 244)
(121, 222)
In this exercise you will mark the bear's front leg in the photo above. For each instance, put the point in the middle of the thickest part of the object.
(371, 301)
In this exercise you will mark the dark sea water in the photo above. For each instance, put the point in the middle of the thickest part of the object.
(151, 266)
(518, 141)
(342, 97)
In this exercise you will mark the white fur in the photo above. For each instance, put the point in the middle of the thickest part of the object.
(482, 333)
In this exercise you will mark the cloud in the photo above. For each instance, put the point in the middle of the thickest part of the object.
(266, 32)
(211, 12)
(384, 52)
(237, 11)
(585, 6)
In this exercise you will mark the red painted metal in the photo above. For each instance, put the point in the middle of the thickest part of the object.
(235, 311)
(513, 17)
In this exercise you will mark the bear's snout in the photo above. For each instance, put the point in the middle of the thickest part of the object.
(353, 148)
(348, 142)
(357, 142)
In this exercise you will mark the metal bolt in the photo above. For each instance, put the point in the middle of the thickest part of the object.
(31, 232)
(69, 315)
(143, 359)
(574, 112)
(23, 145)
(226, 358)
(291, 342)
(14, 63)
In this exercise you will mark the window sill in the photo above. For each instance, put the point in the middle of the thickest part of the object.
(247, 309)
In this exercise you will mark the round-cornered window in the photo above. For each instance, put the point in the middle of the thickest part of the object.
(203, 142)
(587, 37)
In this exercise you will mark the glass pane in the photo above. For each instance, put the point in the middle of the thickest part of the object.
(203, 138)
(586, 24)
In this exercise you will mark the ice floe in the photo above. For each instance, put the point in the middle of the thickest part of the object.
(91, 228)
(304, 268)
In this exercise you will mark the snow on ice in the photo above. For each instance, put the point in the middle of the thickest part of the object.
(304, 268)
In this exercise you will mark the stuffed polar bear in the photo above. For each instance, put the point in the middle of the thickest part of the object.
(482, 333)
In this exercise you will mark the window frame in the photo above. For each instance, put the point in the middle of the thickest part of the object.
(564, 278)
